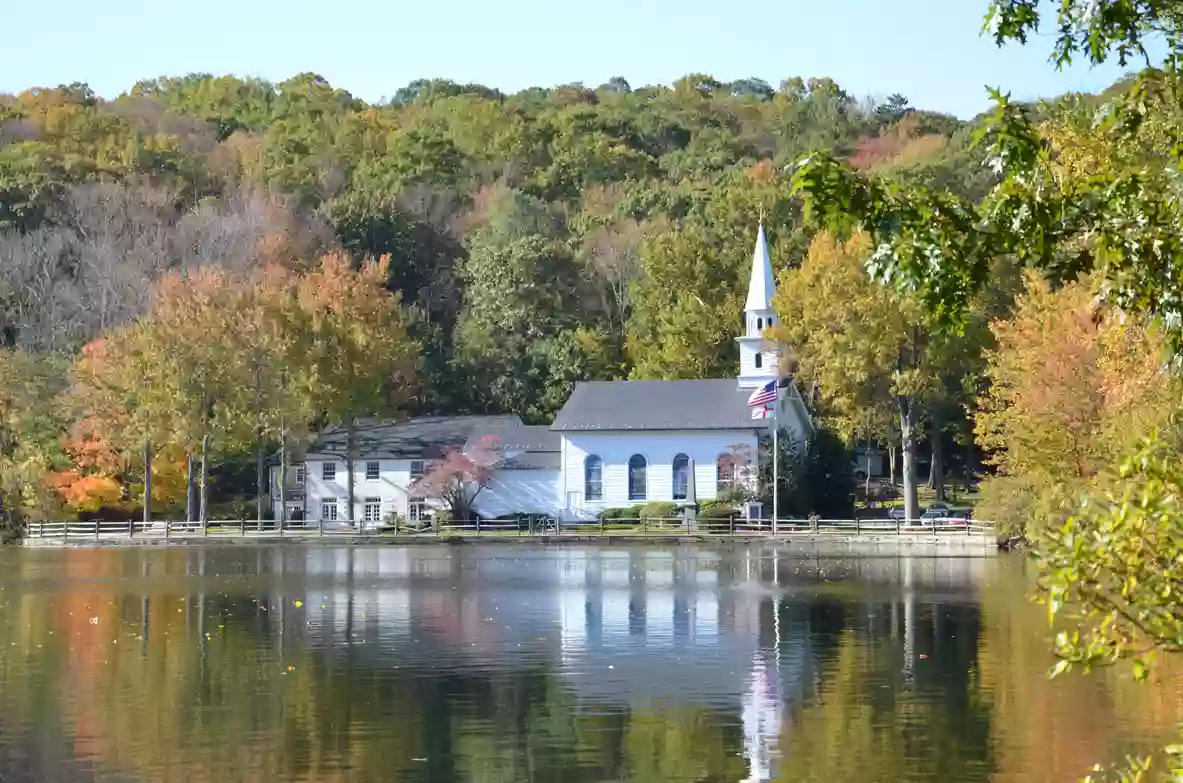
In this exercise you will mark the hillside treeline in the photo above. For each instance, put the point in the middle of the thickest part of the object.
(525, 242)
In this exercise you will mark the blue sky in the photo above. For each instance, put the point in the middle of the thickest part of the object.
(929, 50)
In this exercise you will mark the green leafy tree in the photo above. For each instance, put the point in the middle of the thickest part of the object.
(863, 344)
(31, 424)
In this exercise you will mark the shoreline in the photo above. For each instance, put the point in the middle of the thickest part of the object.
(971, 546)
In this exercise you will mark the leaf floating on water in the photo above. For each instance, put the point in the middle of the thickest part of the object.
(299, 604)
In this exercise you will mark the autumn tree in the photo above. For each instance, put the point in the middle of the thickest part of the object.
(1070, 385)
(863, 344)
(359, 360)
(456, 479)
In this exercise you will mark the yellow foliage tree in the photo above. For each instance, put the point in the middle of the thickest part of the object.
(1071, 386)
(861, 343)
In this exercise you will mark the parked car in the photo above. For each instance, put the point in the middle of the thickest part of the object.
(945, 513)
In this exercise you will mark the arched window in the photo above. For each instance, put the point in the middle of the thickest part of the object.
(681, 476)
(759, 360)
(637, 468)
(759, 323)
(593, 478)
(725, 473)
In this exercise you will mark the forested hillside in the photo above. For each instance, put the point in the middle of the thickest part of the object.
(529, 240)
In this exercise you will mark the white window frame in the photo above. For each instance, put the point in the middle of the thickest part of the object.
(329, 509)
(328, 471)
(372, 510)
(377, 470)
(642, 496)
(598, 495)
(417, 511)
(674, 476)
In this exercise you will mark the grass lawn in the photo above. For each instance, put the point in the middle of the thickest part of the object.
(955, 496)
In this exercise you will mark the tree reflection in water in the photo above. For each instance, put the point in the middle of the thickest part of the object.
(508, 664)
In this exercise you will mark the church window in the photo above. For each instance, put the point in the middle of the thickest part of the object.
(725, 472)
(681, 476)
(637, 469)
(593, 478)
(759, 323)
(759, 360)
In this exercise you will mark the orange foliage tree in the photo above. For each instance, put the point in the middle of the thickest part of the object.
(1071, 385)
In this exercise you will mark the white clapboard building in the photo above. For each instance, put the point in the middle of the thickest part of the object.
(613, 444)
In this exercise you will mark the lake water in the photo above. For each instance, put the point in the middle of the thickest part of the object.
(503, 663)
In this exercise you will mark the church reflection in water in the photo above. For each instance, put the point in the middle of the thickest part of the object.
(746, 632)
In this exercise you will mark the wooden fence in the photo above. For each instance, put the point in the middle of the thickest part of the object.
(736, 526)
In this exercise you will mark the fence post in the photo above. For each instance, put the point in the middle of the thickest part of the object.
(242, 528)
(96, 530)
(167, 525)
(731, 524)
(131, 528)
(897, 526)
(856, 524)
(65, 530)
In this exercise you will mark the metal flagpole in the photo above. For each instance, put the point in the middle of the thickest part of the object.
(775, 462)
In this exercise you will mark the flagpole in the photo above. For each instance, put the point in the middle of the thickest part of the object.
(775, 462)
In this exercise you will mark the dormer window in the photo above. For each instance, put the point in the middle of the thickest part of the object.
(759, 360)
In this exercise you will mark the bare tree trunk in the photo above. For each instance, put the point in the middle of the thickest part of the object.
(147, 482)
(908, 442)
(189, 487)
(936, 471)
(891, 462)
(350, 436)
(283, 476)
(969, 455)
(260, 480)
(204, 504)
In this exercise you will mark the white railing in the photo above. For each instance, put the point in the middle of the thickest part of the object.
(729, 527)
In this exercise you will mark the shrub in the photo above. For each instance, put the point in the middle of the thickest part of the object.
(731, 497)
(658, 509)
(716, 515)
(1023, 507)
(611, 514)
(717, 509)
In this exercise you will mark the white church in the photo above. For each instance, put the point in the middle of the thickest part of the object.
(614, 443)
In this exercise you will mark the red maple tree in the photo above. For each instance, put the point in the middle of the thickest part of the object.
(457, 478)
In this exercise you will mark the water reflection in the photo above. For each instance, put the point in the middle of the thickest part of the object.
(505, 664)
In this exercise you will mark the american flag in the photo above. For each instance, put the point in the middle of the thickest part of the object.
(765, 395)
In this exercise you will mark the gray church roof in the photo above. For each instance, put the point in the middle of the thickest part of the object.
(515, 436)
(422, 438)
(715, 404)
(539, 446)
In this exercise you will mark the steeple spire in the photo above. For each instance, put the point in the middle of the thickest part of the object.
(758, 358)
(761, 285)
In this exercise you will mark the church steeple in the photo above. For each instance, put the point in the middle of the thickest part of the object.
(761, 285)
(759, 361)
